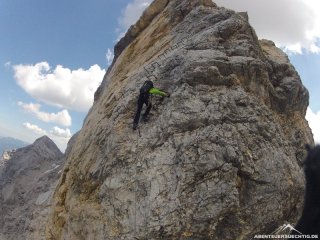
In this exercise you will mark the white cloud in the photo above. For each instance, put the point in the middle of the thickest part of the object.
(34, 128)
(61, 142)
(58, 132)
(292, 24)
(314, 123)
(60, 136)
(62, 87)
(109, 56)
(131, 14)
(62, 118)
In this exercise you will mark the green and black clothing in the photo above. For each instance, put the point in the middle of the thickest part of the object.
(144, 99)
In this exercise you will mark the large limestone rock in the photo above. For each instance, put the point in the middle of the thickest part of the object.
(220, 159)
(28, 177)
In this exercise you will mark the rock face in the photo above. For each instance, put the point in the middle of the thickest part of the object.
(219, 159)
(27, 180)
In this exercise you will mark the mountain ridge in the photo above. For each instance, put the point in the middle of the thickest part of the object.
(27, 180)
(9, 143)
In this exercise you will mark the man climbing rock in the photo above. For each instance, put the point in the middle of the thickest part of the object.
(145, 91)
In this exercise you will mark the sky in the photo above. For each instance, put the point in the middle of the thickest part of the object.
(54, 54)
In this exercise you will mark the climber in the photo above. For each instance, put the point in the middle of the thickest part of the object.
(145, 91)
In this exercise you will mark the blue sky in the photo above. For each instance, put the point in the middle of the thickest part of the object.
(53, 55)
(73, 34)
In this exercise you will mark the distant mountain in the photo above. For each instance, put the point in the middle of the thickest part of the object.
(28, 177)
(8, 143)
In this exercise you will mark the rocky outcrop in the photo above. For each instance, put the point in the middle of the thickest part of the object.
(219, 159)
(27, 180)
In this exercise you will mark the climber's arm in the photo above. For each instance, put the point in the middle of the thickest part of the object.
(158, 92)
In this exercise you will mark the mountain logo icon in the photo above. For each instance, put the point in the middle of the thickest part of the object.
(287, 226)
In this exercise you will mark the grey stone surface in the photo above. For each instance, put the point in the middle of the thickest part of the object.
(220, 159)
(27, 181)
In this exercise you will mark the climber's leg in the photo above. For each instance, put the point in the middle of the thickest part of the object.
(146, 113)
(138, 112)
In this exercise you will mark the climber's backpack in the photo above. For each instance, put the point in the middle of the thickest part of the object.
(146, 87)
